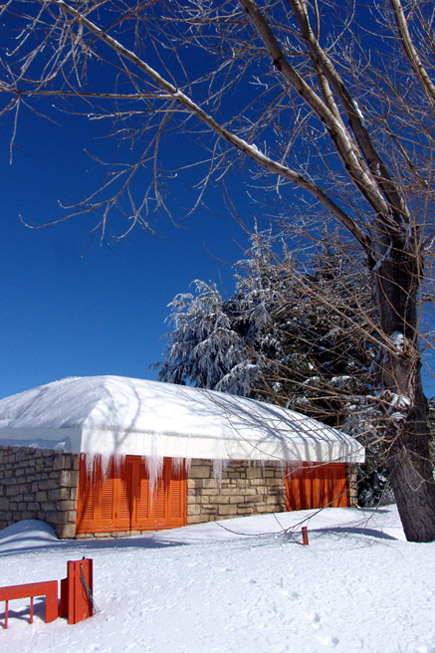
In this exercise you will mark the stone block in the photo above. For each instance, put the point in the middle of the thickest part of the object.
(28, 514)
(263, 509)
(199, 471)
(49, 484)
(195, 519)
(49, 506)
(67, 505)
(60, 493)
(236, 498)
(245, 510)
(61, 462)
(221, 500)
(54, 517)
(193, 483)
(4, 503)
(67, 517)
(256, 498)
(41, 496)
(66, 531)
(210, 483)
(193, 510)
(195, 499)
(254, 472)
(69, 478)
(227, 510)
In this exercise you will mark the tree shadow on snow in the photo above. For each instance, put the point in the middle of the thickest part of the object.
(76, 547)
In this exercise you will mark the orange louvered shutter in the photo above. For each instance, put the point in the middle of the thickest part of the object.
(315, 486)
(121, 499)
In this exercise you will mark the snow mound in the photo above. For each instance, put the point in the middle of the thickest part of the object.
(27, 534)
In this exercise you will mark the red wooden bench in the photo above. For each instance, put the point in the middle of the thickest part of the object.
(49, 589)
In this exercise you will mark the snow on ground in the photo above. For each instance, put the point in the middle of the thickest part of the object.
(359, 586)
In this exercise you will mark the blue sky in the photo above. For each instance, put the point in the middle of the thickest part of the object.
(71, 309)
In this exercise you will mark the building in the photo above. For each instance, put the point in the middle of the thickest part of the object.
(107, 455)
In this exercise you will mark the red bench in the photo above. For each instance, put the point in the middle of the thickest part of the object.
(49, 589)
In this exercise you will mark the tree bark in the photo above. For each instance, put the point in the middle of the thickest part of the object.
(407, 433)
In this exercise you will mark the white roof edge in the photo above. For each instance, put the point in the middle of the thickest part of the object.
(95, 441)
(172, 446)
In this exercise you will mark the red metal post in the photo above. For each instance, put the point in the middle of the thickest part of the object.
(76, 591)
(305, 536)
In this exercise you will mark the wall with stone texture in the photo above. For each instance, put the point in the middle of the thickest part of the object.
(42, 484)
(39, 484)
(243, 489)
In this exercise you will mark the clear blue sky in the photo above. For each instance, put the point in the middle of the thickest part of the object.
(69, 309)
(73, 310)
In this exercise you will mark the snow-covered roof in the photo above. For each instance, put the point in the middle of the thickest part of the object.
(120, 415)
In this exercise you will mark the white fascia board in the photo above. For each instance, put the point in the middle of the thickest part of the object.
(173, 445)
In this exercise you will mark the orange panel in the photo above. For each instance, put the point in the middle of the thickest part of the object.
(317, 486)
(121, 500)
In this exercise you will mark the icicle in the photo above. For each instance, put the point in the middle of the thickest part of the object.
(91, 465)
(154, 465)
(177, 465)
(262, 463)
(294, 468)
(105, 462)
(219, 466)
(180, 464)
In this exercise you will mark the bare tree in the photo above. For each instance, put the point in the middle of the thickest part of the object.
(334, 99)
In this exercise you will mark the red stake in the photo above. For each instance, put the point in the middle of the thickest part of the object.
(305, 535)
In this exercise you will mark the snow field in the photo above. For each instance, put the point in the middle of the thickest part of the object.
(203, 589)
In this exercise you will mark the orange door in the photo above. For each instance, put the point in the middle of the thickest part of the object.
(313, 485)
(122, 499)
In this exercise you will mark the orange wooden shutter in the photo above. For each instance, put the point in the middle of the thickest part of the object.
(314, 485)
(121, 499)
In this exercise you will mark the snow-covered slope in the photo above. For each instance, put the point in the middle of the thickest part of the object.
(240, 587)
(110, 414)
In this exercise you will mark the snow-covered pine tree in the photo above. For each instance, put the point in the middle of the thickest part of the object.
(204, 348)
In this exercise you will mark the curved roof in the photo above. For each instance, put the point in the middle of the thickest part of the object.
(120, 415)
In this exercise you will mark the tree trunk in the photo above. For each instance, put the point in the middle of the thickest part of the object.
(411, 476)
(407, 431)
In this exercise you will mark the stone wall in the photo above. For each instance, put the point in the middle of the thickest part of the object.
(243, 489)
(352, 492)
(39, 484)
(42, 484)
